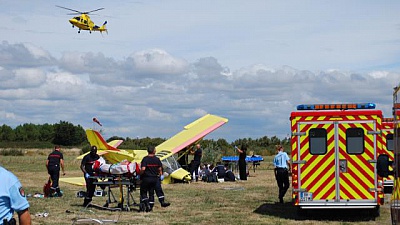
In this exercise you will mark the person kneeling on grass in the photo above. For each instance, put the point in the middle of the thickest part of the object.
(229, 176)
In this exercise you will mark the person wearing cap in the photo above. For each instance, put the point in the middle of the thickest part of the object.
(282, 168)
(87, 169)
(54, 162)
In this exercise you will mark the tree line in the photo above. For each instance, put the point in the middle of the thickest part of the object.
(67, 134)
(62, 133)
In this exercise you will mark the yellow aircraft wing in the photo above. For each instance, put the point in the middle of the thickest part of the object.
(191, 133)
(74, 180)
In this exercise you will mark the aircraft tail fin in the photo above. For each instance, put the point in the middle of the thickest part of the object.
(103, 27)
(95, 138)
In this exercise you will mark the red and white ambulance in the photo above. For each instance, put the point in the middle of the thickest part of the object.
(334, 155)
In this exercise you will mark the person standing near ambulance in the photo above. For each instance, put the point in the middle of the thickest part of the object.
(54, 162)
(12, 198)
(282, 168)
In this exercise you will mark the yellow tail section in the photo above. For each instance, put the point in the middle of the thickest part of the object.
(96, 139)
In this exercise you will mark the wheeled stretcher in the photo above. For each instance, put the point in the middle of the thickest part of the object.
(124, 175)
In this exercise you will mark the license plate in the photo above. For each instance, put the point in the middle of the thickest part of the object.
(306, 196)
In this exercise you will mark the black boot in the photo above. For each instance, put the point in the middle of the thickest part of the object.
(52, 192)
(150, 207)
(86, 202)
(59, 193)
(164, 204)
(144, 206)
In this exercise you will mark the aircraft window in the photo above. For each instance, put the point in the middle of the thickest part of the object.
(318, 137)
(355, 141)
(389, 142)
(85, 21)
(77, 18)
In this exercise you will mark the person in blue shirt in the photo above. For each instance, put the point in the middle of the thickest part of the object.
(282, 168)
(12, 199)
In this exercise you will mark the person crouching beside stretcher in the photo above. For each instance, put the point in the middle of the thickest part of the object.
(87, 169)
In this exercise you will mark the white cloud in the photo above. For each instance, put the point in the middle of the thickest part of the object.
(151, 77)
(159, 62)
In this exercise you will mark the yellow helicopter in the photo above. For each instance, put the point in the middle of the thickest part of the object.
(83, 21)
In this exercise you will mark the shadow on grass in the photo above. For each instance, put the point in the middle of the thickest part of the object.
(288, 211)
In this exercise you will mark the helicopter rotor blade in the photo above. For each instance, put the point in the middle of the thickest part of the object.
(69, 9)
(94, 10)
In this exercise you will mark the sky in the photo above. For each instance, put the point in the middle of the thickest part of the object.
(164, 64)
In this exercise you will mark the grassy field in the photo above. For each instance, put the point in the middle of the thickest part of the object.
(241, 202)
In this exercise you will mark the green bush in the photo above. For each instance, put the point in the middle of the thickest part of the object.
(12, 152)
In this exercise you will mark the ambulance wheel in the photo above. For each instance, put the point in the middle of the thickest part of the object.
(301, 212)
(376, 212)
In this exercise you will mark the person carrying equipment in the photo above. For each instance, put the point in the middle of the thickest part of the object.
(54, 161)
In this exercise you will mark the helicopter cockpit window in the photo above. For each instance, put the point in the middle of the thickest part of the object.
(77, 18)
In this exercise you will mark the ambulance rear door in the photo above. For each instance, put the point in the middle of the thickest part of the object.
(337, 162)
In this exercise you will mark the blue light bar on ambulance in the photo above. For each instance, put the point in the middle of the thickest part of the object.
(337, 106)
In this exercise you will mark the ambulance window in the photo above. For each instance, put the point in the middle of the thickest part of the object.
(355, 140)
(317, 138)
(389, 142)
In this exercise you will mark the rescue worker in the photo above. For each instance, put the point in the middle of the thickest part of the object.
(54, 161)
(12, 198)
(160, 193)
(194, 167)
(87, 169)
(282, 168)
(242, 161)
(151, 175)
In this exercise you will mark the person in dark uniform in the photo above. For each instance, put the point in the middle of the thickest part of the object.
(194, 167)
(87, 169)
(151, 175)
(160, 193)
(54, 161)
(242, 162)
(282, 168)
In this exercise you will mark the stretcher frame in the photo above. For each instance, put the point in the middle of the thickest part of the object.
(110, 181)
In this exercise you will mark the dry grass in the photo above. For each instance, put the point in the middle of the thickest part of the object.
(249, 202)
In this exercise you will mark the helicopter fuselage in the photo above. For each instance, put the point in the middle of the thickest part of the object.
(83, 22)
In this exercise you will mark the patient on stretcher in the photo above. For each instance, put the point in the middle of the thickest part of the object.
(124, 167)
